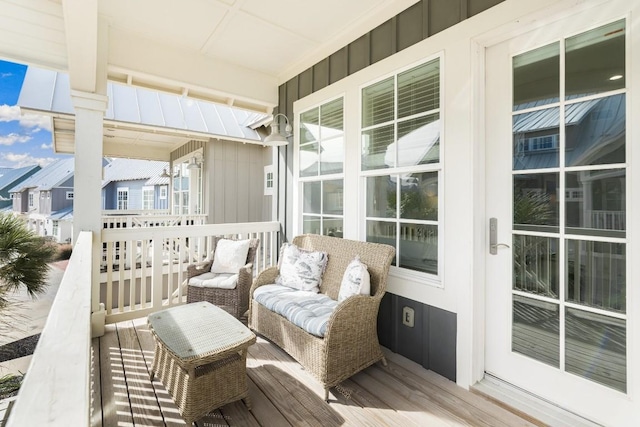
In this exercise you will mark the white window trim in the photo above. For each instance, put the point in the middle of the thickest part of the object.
(163, 192)
(69, 195)
(122, 190)
(145, 191)
(269, 190)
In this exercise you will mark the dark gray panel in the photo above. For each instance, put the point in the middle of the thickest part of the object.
(359, 55)
(321, 74)
(383, 41)
(410, 339)
(338, 65)
(292, 96)
(425, 340)
(476, 6)
(410, 26)
(282, 98)
(305, 83)
(442, 342)
(385, 322)
(443, 14)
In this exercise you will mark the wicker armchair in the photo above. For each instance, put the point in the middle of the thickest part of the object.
(350, 343)
(235, 301)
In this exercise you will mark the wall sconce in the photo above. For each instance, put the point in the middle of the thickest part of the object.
(165, 174)
(194, 162)
(276, 138)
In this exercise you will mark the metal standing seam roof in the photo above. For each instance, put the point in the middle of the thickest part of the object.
(48, 177)
(120, 169)
(550, 117)
(50, 91)
(8, 176)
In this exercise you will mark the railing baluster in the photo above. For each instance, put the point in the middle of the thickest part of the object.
(109, 277)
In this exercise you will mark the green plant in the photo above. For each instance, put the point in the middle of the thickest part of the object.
(24, 258)
(10, 384)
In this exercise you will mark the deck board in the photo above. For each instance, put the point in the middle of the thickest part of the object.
(284, 394)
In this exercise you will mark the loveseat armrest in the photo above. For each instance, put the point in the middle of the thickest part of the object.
(198, 268)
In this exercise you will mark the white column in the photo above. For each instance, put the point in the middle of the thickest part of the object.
(87, 200)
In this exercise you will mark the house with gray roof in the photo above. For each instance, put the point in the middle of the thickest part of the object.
(45, 200)
(132, 184)
(9, 178)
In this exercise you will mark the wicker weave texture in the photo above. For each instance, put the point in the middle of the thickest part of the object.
(351, 341)
(216, 374)
(234, 301)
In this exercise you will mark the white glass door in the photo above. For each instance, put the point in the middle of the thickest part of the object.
(558, 155)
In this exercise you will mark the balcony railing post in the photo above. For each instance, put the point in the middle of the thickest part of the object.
(156, 275)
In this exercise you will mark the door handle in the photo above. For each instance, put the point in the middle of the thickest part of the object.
(493, 237)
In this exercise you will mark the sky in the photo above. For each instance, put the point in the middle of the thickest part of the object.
(24, 139)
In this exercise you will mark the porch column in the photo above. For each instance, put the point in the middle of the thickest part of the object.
(87, 206)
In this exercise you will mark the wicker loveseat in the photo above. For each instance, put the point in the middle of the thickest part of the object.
(350, 343)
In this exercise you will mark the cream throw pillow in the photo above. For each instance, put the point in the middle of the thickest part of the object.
(230, 256)
(356, 280)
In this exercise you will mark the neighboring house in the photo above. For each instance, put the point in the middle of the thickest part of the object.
(45, 200)
(131, 184)
(9, 178)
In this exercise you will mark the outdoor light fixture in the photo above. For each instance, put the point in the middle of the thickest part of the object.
(194, 162)
(276, 138)
(165, 174)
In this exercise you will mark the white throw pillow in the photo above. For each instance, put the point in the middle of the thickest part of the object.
(230, 256)
(356, 280)
(300, 269)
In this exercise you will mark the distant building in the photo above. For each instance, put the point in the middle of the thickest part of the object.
(45, 200)
(9, 178)
(134, 185)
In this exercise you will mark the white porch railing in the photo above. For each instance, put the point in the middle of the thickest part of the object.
(148, 265)
(55, 391)
(131, 219)
(609, 220)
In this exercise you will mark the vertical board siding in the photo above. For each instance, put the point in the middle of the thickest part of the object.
(409, 26)
(383, 41)
(339, 65)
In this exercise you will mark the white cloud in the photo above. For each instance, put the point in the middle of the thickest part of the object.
(13, 138)
(47, 146)
(20, 160)
(11, 113)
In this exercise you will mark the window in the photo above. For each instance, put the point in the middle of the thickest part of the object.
(69, 195)
(147, 198)
(401, 165)
(54, 228)
(268, 180)
(163, 192)
(187, 187)
(12, 196)
(30, 200)
(123, 199)
(321, 164)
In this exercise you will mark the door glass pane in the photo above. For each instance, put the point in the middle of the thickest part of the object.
(378, 102)
(310, 224)
(309, 128)
(596, 131)
(536, 139)
(381, 197)
(419, 247)
(378, 148)
(596, 274)
(535, 202)
(536, 330)
(332, 227)
(419, 196)
(309, 160)
(536, 77)
(311, 197)
(596, 202)
(418, 141)
(596, 348)
(332, 197)
(419, 89)
(535, 265)
(595, 61)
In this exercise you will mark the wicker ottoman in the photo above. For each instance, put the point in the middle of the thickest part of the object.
(200, 357)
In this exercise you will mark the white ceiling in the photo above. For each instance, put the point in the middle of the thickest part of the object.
(232, 51)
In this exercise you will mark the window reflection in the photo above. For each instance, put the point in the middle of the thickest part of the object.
(536, 77)
(596, 131)
(536, 330)
(536, 139)
(535, 202)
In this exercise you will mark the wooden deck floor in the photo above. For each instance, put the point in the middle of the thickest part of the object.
(282, 393)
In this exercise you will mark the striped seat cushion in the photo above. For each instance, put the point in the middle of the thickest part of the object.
(307, 310)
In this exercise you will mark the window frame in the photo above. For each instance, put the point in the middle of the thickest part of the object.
(299, 181)
(435, 280)
(146, 190)
(69, 195)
